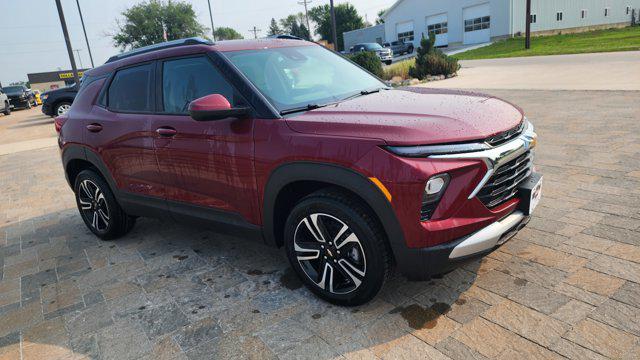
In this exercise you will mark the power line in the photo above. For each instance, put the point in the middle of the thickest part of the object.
(255, 31)
(79, 58)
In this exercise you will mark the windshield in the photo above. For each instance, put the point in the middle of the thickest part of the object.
(294, 77)
(372, 47)
(13, 89)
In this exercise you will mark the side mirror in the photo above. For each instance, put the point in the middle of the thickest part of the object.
(215, 107)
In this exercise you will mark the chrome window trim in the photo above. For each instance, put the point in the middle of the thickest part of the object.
(495, 157)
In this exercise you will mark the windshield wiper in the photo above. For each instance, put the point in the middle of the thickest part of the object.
(364, 92)
(301, 108)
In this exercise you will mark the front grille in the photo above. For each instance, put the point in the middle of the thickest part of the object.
(503, 184)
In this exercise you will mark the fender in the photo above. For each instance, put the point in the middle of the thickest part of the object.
(339, 176)
(81, 152)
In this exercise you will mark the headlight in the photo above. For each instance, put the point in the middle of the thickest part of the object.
(433, 191)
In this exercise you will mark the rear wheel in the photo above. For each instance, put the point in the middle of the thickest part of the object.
(98, 207)
(337, 247)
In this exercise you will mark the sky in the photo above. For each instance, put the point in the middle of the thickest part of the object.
(31, 38)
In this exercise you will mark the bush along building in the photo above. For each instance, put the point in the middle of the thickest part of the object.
(466, 22)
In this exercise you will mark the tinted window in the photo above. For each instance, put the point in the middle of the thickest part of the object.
(131, 89)
(185, 80)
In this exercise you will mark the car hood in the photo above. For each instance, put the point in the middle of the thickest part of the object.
(412, 116)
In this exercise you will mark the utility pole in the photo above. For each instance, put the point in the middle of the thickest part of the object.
(213, 29)
(334, 32)
(79, 58)
(255, 31)
(63, 23)
(306, 13)
(85, 34)
(527, 40)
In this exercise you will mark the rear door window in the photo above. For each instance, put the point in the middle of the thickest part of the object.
(131, 90)
(184, 80)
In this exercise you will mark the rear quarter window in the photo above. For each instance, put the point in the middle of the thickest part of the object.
(131, 90)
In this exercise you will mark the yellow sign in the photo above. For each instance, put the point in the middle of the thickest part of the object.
(69, 75)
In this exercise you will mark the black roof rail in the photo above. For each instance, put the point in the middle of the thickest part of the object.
(160, 46)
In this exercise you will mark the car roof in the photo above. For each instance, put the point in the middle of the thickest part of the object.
(198, 48)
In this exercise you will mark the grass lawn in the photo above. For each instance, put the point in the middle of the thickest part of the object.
(625, 39)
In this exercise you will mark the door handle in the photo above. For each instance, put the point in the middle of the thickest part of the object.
(166, 131)
(94, 127)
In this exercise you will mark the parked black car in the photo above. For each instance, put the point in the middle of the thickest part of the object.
(57, 102)
(20, 96)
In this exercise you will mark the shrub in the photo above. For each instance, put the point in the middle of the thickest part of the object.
(401, 69)
(368, 60)
(431, 61)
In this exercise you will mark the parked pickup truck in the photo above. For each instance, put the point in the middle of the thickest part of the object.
(399, 47)
(385, 55)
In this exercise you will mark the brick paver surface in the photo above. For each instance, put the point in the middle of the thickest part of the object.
(568, 285)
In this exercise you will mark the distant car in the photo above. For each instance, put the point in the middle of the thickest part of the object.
(20, 96)
(57, 102)
(36, 93)
(4, 103)
(399, 47)
(385, 55)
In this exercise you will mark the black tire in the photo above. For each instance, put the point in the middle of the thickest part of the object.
(388, 62)
(28, 104)
(370, 261)
(410, 51)
(7, 109)
(58, 106)
(113, 222)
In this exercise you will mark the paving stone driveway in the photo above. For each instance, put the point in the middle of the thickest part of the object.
(566, 286)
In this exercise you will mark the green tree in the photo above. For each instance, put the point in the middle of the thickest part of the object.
(294, 25)
(380, 20)
(227, 33)
(274, 29)
(347, 19)
(145, 23)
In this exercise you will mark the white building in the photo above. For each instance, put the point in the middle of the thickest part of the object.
(457, 22)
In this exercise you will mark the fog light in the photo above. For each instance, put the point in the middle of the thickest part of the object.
(433, 191)
(434, 185)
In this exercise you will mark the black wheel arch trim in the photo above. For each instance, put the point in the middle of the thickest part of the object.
(339, 176)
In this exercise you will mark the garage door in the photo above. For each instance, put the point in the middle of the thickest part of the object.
(404, 31)
(477, 24)
(438, 25)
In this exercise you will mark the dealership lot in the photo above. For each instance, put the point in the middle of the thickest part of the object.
(568, 285)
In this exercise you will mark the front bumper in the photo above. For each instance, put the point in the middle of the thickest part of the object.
(422, 264)
(18, 103)
(46, 109)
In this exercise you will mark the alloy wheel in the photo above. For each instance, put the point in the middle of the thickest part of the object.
(63, 109)
(93, 205)
(330, 253)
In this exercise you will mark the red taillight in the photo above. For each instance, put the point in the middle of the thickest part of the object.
(59, 121)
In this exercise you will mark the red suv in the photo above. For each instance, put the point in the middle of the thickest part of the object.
(292, 143)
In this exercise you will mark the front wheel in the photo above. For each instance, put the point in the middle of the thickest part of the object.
(7, 109)
(61, 108)
(337, 247)
(28, 104)
(98, 207)
(388, 62)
